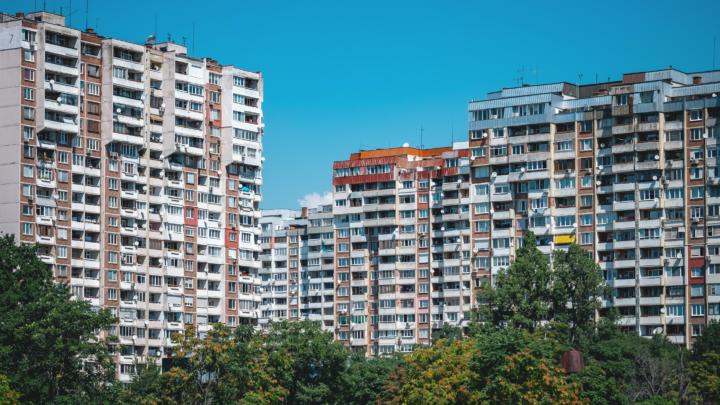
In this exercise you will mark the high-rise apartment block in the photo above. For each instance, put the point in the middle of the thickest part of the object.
(626, 169)
(137, 171)
(402, 246)
(297, 266)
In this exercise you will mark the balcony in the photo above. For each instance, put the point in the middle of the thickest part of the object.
(67, 125)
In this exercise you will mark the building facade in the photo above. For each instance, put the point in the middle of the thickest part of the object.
(402, 246)
(137, 171)
(297, 266)
(626, 169)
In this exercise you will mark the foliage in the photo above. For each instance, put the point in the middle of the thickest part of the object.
(8, 396)
(48, 344)
(363, 380)
(448, 332)
(577, 290)
(521, 297)
(305, 360)
(705, 365)
(439, 374)
(525, 379)
(50, 354)
(626, 368)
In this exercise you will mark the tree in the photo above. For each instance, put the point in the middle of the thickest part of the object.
(305, 360)
(525, 379)
(220, 367)
(705, 365)
(577, 290)
(49, 347)
(522, 295)
(439, 374)
(363, 380)
(448, 332)
(7, 395)
(626, 368)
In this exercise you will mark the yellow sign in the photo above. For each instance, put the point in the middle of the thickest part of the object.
(564, 239)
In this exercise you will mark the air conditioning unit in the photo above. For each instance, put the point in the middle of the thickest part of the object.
(695, 220)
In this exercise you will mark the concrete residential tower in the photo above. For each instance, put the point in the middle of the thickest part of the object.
(137, 170)
(402, 246)
(626, 169)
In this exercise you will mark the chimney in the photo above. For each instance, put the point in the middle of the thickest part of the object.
(303, 212)
(697, 79)
(20, 14)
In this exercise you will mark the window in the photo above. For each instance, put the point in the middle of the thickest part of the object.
(564, 146)
(28, 113)
(586, 219)
(697, 192)
(675, 310)
(93, 89)
(696, 115)
(697, 290)
(586, 238)
(697, 310)
(586, 144)
(28, 93)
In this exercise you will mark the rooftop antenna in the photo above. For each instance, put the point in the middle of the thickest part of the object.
(192, 50)
(421, 136)
(87, 8)
(184, 40)
(580, 76)
(535, 72)
(714, 49)
(155, 31)
(70, 13)
(520, 79)
(452, 133)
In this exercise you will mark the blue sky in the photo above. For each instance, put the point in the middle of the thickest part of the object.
(342, 75)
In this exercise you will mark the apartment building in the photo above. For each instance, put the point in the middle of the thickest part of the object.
(297, 266)
(627, 169)
(402, 246)
(137, 171)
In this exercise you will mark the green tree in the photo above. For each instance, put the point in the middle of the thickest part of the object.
(8, 396)
(448, 332)
(521, 297)
(626, 368)
(705, 365)
(305, 360)
(224, 366)
(577, 290)
(363, 379)
(48, 340)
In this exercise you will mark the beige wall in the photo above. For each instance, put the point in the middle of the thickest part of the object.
(10, 147)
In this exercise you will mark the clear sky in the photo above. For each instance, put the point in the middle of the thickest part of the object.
(344, 75)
